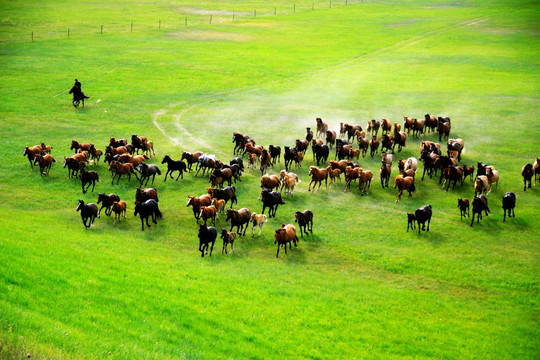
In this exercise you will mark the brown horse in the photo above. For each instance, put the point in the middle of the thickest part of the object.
(119, 209)
(270, 182)
(364, 181)
(363, 145)
(121, 169)
(138, 142)
(408, 124)
(107, 202)
(386, 126)
(493, 178)
(32, 153)
(444, 127)
(45, 163)
(73, 166)
(350, 175)
(191, 158)
(146, 194)
(285, 235)
(265, 160)
(404, 183)
(431, 122)
(208, 212)
(350, 130)
(418, 127)
(136, 160)
(330, 138)
(373, 127)
(374, 145)
(317, 176)
(239, 219)
(527, 172)
(480, 184)
(463, 205)
(116, 143)
(385, 172)
(75, 145)
(322, 127)
(387, 141)
(468, 171)
(400, 139)
(116, 151)
(197, 203)
(536, 168)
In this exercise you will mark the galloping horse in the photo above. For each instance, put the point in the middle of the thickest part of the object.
(147, 171)
(78, 96)
(88, 211)
(147, 209)
(404, 183)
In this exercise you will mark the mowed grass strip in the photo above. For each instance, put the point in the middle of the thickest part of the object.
(360, 287)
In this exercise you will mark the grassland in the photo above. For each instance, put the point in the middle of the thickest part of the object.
(360, 286)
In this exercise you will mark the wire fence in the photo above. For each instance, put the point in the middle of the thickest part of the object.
(28, 33)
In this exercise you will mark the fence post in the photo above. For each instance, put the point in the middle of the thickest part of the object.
(210, 18)
(294, 8)
(32, 36)
(101, 29)
(68, 33)
(233, 16)
(132, 26)
(275, 10)
(159, 26)
(186, 22)
(330, 4)
(312, 6)
(255, 13)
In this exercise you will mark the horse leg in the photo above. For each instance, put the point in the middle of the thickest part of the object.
(277, 254)
(99, 212)
(212, 247)
(142, 223)
(93, 185)
(147, 224)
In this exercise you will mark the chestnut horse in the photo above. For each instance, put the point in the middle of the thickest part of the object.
(121, 169)
(317, 176)
(404, 183)
(285, 234)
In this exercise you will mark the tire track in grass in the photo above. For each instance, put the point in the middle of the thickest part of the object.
(177, 118)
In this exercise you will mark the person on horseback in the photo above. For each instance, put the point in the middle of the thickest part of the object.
(78, 88)
(78, 95)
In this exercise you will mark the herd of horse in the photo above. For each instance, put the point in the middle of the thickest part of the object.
(123, 159)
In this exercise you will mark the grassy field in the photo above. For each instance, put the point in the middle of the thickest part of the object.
(360, 286)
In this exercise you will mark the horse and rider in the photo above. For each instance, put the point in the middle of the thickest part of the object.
(78, 94)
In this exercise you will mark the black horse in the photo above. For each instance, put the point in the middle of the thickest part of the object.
(305, 221)
(321, 153)
(479, 204)
(78, 96)
(147, 209)
(207, 235)
(173, 166)
(271, 199)
(422, 215)
(508, 204)
(90, 178)
(147, 172)
(88, 212)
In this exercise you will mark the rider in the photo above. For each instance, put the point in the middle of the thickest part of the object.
(78, 86)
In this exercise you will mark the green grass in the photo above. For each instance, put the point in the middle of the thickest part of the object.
(360, 286)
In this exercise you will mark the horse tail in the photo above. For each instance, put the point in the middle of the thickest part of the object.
(413, 188)
(97, 177)
(158, 213)
(158, 171)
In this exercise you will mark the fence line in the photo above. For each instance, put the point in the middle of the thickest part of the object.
(47, 33)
